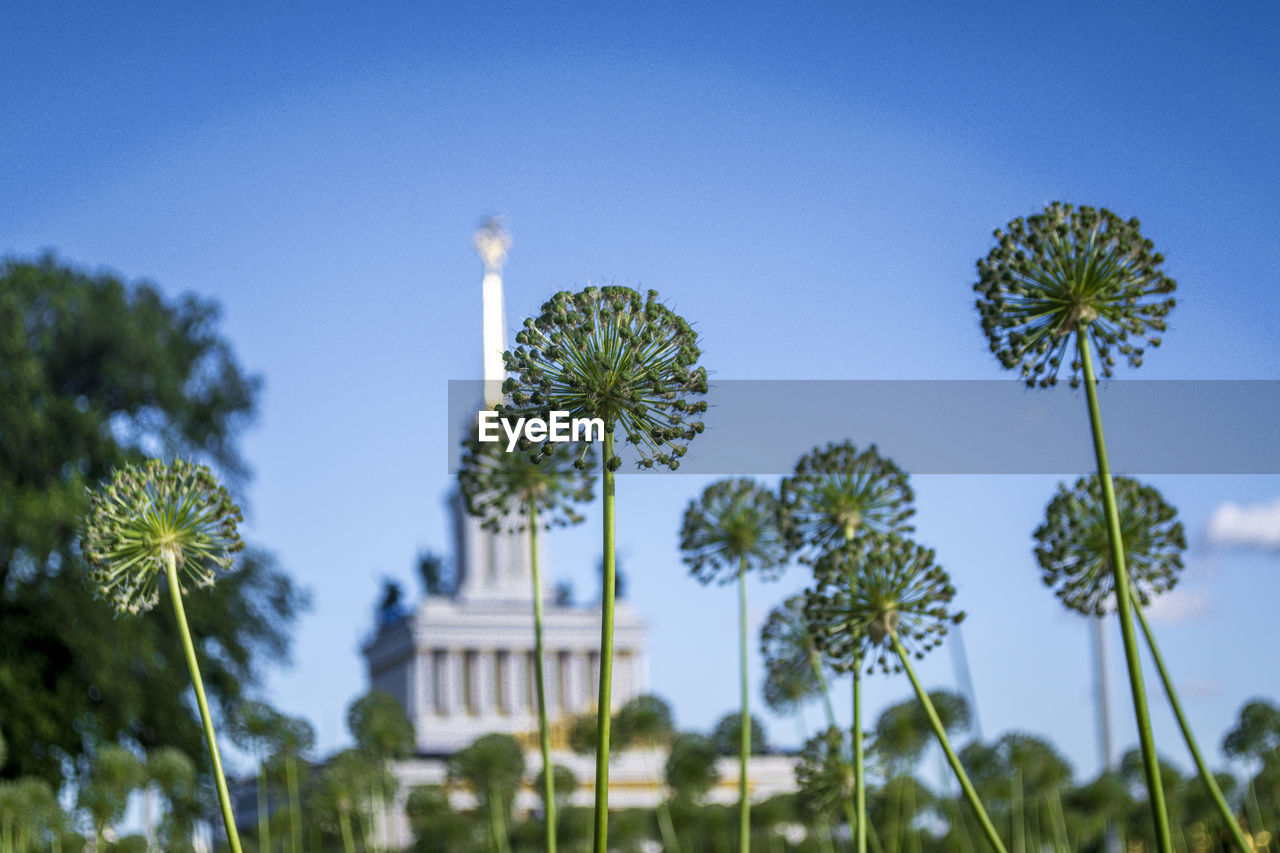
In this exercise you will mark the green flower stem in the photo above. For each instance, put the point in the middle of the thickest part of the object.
(956, 767)
(1062, 843)
(1211, 783)
(606, 654)
(295, 803)
(859, 779)
(1017, 818)
(744, 739)
(264, 821)
(544, 731)
(499, 821)
(344, 821)
(849, 807)
(1150, 763)
(224, 799)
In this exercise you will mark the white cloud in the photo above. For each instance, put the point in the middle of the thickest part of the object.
(1178, 606)
(1255, 526)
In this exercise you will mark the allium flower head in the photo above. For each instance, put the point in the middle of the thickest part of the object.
(500, 487)
(871, 589)
(838, 493)
(823, 775)
(148, 512)
(609, 353)
(1074, 550)
(1071, 270)
(732, 526)
(786, 644)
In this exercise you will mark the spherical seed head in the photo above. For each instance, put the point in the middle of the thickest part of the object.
(1068, 271)
(151, 510)
(732, 526)
(609, 353)
(1073, 546)
(500, 487)
(839, 493)
(872, 589)
(786, 644)
(823, 776)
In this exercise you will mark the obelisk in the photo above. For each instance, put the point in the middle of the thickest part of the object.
(492, 242)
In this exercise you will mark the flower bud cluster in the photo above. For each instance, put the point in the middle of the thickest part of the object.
(1073, 547)
(732, 527)
(1068, 271)
(152, 511)
(607, 352)
(870, 590)
(839, 493)
(501, 488)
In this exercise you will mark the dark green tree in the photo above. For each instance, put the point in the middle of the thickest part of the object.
(92, 373)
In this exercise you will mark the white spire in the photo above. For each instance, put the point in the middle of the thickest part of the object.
(492, 242)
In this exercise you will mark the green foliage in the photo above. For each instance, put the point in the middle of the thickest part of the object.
(436, 827)
(379, 725)
(691, 766)
(824, 777)
(1073, 545)
(645, 721)
(902, 730)
(1071, 270)
(92, 374)
(491, 766)
(114, 774)
(1256, 734)
(582, 733)
(726, 735)
(566, 782)
(174, 774)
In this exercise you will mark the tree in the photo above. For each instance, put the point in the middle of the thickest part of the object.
(691, 766)
(94, 372)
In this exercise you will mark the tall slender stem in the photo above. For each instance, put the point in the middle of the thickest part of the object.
(744, 735)
(1209, 781)
(498, 820)
(344, 821)
(606, 654)
(956, 767)
(1150, 762)
(295, 803)
(224, 798)
(544, 730)
(264, 817)
(859, 763)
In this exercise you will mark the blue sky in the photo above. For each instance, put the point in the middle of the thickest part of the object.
(811, 188)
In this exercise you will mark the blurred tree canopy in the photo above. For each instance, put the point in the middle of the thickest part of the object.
(95, 373)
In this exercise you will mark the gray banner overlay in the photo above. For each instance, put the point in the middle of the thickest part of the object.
(968, 427)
